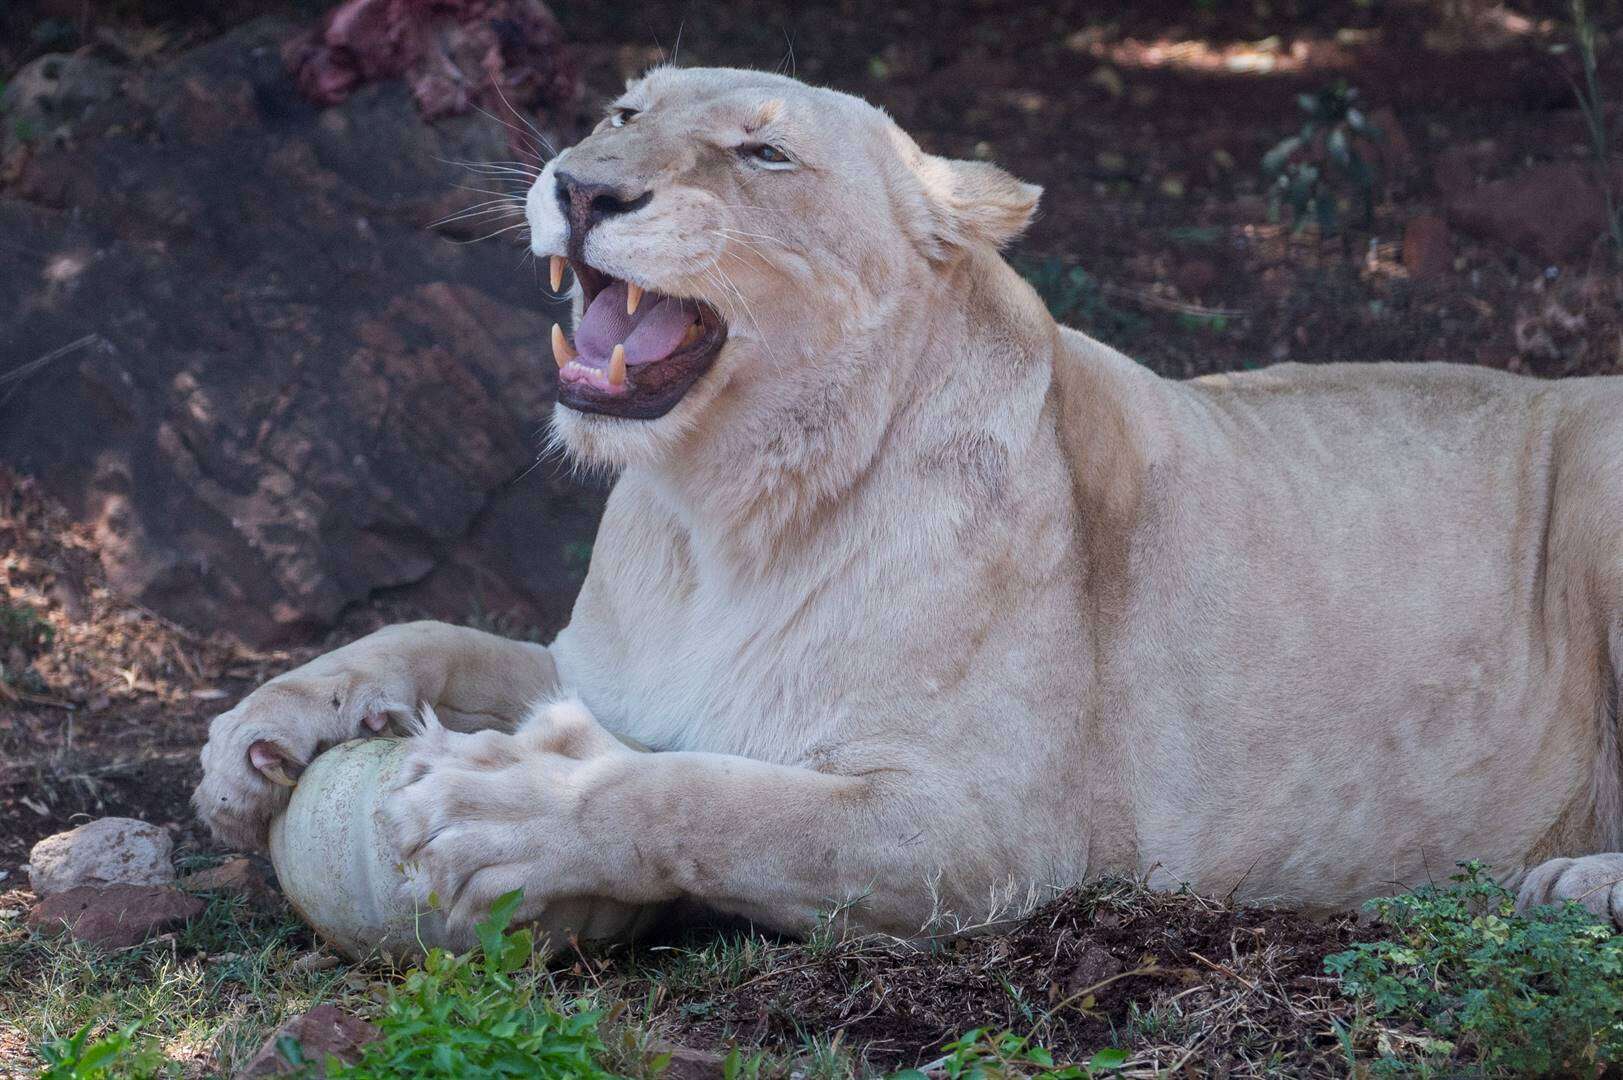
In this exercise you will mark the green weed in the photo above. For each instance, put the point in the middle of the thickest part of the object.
(24, 628)
(1075, 297)
(1531, 995)
(469, 1017)
(123, 1055)
(982, 1054)
(1319, 173)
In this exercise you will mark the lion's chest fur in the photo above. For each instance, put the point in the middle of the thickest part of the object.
(937, 633)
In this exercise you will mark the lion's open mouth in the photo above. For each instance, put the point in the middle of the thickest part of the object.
(636, 352)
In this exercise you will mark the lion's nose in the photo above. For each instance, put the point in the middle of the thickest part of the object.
(586, 204)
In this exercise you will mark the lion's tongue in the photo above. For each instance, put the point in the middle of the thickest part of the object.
(653, 333)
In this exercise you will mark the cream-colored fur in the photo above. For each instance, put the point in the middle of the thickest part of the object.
(926, 600)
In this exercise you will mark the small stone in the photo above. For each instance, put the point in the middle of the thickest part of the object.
(1108, 80)
(687, 1063)
(115, 916)
(1095, 964)
(325, 1029)
(311, 962)
(1110, 161)
(1392, 149)
(240, 876)
(1195, 277)
(1427, 252)
(111, 851)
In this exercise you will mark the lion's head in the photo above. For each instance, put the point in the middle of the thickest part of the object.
(742, 244)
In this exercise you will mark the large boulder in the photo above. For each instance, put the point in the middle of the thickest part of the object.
(108, 851)
(231, 343)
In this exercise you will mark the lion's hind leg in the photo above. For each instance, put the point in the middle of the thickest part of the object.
(1595, 881)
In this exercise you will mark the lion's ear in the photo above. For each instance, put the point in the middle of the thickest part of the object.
(975, 202)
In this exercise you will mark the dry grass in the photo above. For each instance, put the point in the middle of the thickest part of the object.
(1172, 980)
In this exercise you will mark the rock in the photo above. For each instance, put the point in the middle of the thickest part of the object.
(114, 916)
(270, 398)
(1552, 212)
(311, 962)
(1456, 167)
(111, 851)
(1392, 152)
(1094, 965)
(240, 876)
(1427, 251)
(1194, 277)
(48, 95)
(325, 1029)
(687, 1063)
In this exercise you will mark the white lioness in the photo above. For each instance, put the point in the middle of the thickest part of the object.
(920, 595)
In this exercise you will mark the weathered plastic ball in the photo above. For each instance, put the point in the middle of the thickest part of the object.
(341, 876)
(334, 864)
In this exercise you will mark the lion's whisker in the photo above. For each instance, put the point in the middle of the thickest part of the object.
(725, 231)
(515, 196)
(749, 311)
(498, 232)
(521, 133)
(496, 212)
(744, 244)
(525, 120)
(509, 167)
(488, 204)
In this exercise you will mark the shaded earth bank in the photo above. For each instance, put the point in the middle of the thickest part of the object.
(238, 352)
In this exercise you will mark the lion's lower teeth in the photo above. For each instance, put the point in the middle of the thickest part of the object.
(691, 336)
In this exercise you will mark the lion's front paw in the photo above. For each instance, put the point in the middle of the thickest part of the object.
(475, 816)
(255, 751)
(1595, 881)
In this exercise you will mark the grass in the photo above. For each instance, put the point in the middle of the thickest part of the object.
(1454, 983)
(216, 989)
(1592, 105)
(23, 631)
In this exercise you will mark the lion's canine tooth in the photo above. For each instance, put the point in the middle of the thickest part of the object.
(557, 273)
(617, 366)
(561, 352)
(633, 297)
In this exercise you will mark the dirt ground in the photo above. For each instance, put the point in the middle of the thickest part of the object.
(1077, 974)
(1146, 124)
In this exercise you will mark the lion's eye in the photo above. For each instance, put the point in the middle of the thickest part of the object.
(622, 117)
(765, 153)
